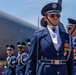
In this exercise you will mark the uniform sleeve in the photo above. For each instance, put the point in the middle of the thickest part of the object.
(13, 62)
(31, 65)
(24, 58)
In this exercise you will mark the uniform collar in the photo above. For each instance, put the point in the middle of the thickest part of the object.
(21, 52)
(45, 32)
(50, 29)
(10, 55)
(50, 26)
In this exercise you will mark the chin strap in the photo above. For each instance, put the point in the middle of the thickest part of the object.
(73, 31)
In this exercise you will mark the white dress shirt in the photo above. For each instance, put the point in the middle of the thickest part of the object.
(55, 37)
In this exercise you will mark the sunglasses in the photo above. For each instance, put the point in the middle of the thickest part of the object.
(68, 28)
(9, 49)
(20, 47)
(53, 15)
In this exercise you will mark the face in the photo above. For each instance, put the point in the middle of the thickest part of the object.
(70, 29)
(54, 18)
(9, 52)
(28, 46)
(20, 49)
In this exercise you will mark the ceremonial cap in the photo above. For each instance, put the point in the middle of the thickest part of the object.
(10, 47)
(21, 44)
(71, 22)
(50, 8)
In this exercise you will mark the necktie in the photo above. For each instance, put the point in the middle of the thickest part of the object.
(53, 29)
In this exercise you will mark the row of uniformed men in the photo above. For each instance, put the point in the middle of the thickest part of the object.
(49, 62)
(16, 66)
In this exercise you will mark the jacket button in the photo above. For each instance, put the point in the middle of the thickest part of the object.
(57, 53)
(58, 72)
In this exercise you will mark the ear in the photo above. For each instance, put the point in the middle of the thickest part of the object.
(45, 18)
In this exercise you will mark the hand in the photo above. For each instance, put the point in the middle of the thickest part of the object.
(8, 63)
(19, 61)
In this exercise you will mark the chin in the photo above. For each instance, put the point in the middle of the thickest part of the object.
(55, 24)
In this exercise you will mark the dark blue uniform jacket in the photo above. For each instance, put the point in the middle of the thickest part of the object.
(11, 65)
(21, 63)
(47, 51)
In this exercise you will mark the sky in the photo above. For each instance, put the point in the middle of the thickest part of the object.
(30, 10)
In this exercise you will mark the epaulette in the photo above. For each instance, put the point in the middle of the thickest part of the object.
(36, 32)
(40, 33)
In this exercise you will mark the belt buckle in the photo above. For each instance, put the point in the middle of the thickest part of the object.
(57, 62)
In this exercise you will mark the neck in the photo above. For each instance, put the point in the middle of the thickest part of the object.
(73, 35)
(52, 24)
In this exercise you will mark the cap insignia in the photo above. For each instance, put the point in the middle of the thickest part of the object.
(54, 5)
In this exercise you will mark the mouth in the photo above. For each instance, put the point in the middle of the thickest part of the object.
(55, 20)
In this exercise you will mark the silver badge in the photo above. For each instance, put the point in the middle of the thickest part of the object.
(54, 5)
